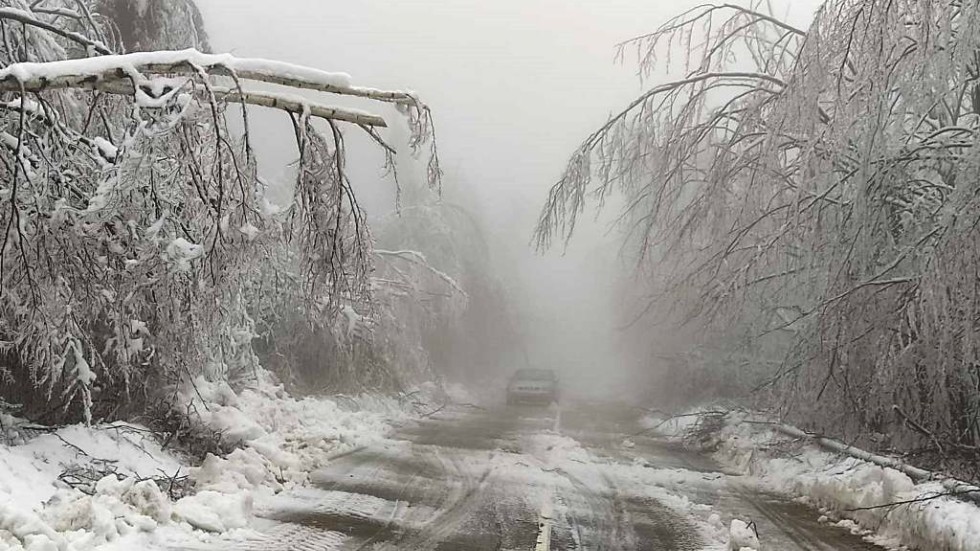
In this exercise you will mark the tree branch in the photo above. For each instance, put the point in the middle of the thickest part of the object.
(298, 105)
(93, 72)
(25, 17)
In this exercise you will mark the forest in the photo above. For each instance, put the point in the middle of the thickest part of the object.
(764, 265)
(805, 203)
(141, 251)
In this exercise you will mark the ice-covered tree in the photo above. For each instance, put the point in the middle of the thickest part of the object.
(808, 199)
(463, 319)
(137, 247)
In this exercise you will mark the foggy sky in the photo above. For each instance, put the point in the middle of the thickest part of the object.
(515, 86)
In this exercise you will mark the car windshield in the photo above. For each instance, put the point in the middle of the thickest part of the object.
(535, 374)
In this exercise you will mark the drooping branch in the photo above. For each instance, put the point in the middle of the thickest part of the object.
(829, 174)
(26, 18)
(418, 259)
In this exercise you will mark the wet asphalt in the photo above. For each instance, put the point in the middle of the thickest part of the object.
(582, 477)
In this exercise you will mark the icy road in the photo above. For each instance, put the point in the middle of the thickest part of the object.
(582, 477)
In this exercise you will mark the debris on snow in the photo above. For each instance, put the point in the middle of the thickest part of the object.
(77, 487)
(94, 487)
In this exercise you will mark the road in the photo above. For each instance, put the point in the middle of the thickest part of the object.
(579, 477)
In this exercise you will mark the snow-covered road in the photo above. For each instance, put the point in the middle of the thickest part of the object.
(583, 477)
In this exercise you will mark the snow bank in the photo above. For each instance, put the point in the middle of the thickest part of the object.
(279, 440)
(852, 493)
(38, 510)
(214, 511)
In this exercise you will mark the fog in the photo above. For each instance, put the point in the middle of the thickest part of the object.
(515, 85)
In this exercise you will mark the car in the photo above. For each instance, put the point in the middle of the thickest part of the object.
(532, 386)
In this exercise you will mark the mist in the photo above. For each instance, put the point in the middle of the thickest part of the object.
(468, 275)
(515, 86)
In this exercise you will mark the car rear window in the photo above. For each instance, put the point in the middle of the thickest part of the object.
(535, 374)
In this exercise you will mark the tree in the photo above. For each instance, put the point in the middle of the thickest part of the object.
(809, 198)
(464, 320)
(137, 248)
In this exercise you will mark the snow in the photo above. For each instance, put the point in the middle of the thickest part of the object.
(353, 319)
(181, 252)
(853, 493)
(37, 511)
(214, 511)
(158, 92)
(83, 371)
(153, 229)
(106, 148)
(9, 140)
(742, 537)
(130, 63)
(30, 106)
(282, 440)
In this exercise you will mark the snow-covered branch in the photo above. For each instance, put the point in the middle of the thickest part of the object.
(299, 105)
(124, 74)
(95, 72)
(27, 18)
(418, 259)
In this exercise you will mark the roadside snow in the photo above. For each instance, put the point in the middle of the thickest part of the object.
(40, 511)
(279, 440)
(851, 493)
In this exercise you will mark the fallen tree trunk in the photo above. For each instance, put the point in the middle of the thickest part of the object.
(960, 488)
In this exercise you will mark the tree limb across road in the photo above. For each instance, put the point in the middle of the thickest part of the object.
(123, 74)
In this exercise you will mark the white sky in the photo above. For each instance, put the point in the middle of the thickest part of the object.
(515, 86)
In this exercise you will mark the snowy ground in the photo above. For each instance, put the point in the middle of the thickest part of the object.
(582, 477)
(881, 504)
(281, 440)
(368, 473)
